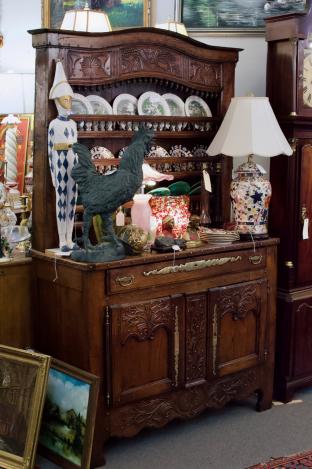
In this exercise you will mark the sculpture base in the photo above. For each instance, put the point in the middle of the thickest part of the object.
(104, 252)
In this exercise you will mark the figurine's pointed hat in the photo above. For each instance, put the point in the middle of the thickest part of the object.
(60, 86)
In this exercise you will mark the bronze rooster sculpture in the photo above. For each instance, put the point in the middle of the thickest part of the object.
(102, 195)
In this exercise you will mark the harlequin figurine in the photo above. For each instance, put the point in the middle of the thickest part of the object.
(62, 135)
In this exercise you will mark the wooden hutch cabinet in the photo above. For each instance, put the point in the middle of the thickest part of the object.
(168, 335)
(289, 88)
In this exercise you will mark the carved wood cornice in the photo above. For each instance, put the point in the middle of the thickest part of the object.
(89, 64)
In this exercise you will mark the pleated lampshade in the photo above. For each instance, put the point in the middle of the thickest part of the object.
(87, 20)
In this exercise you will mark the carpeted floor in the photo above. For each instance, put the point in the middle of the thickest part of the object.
(235, 437)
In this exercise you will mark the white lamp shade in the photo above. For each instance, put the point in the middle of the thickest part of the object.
(249, 128)
(173, 26)
(86, 20)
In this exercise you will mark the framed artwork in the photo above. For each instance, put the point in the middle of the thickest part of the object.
(233, 16)
(23, 380)
(121, 13)
(67, 428)
(23, 145)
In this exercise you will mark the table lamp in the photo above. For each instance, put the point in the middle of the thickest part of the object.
(173, 25)
(88, 20)
(250, 128)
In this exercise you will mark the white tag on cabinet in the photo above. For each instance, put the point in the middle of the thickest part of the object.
(305, 230)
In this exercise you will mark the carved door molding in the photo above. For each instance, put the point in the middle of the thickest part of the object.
(145, 348)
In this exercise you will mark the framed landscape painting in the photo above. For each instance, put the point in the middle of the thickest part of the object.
(67, 427)
(23, 380)
(234, 16)
(121, 13)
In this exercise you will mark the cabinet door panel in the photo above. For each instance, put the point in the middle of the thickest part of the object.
(302, 344)
(145, 348)
(238, 315)
(305, 245)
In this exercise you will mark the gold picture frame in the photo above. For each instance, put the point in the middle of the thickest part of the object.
(134, 14)
(23, 381)
(70, 409)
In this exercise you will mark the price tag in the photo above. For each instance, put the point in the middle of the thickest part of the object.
(175, 247)
(207, 181)
(305, 231)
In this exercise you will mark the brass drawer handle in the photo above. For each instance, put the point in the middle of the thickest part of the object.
(125, 281)
(255, 259)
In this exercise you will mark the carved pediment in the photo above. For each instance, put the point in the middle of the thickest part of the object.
(203, 73)
(86, 65)
(152, 59)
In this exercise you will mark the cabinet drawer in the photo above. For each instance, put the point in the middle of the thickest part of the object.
(185, 269)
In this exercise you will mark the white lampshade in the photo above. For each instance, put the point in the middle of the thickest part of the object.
(249, 128)
(86, 20)
(10, 120)
(173, 26)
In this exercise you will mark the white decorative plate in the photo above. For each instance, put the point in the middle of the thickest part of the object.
(81, 105)
(152, 104)
(196, 107)
(101, 152)
(180, 151)
(200, 151)
(175, 103)
(99, 105)
(125, 104)
(157, 152)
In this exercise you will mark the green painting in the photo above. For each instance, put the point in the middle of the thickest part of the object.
(65, 416)
(234, 14)
(121, 13)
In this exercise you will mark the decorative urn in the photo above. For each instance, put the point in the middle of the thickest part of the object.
(250, 195)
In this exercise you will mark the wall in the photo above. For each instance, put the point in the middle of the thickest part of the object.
(17, 57)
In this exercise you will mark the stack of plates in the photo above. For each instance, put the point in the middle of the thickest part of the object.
(217, 236)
